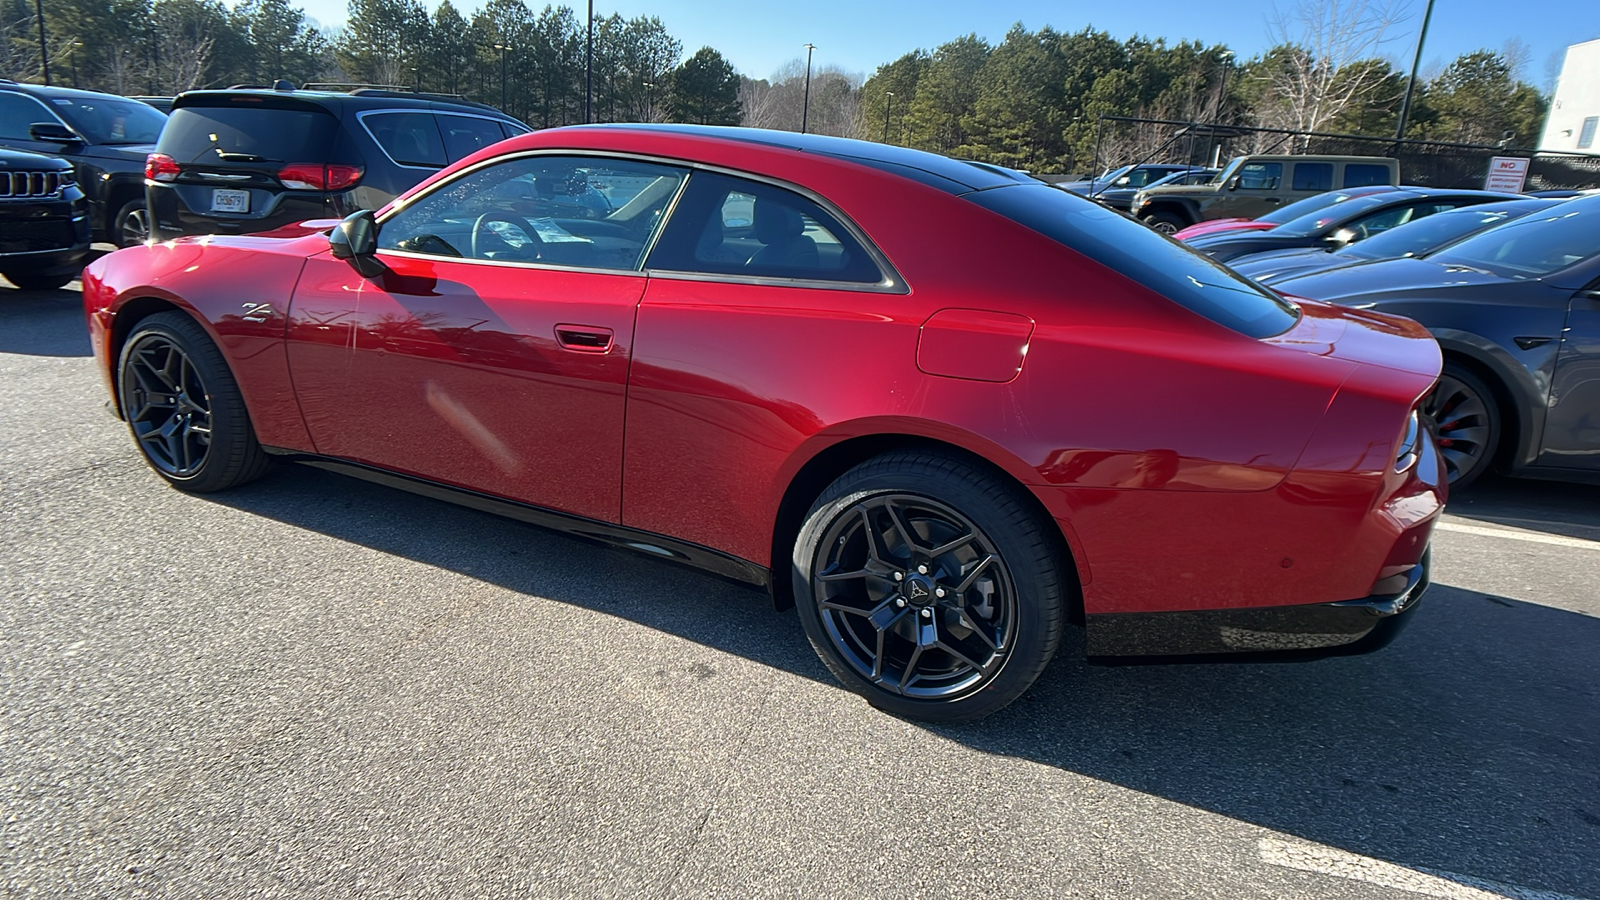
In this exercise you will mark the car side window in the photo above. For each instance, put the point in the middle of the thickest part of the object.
(1377, 223)
(466, 135)
(1364, 175)
(18, 113)
(1313, 177)
(1260, 176)
(409, 138)
(585, 212)
(732, 226)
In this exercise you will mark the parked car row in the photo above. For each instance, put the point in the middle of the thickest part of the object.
(233, 161)
(1509, 285)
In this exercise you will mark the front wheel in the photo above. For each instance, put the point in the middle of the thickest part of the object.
(929, 587)
(184, 408)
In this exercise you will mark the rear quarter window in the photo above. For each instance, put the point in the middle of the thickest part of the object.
(1161, 264)
(466, 135)
(408, 138)
(1365, 174)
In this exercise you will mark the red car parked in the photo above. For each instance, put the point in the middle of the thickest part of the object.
(944, 408)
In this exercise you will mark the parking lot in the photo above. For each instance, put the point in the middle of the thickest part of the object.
(314, 686)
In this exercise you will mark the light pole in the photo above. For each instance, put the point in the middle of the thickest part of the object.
(888, 104)
(44, 55)
(1222, 101)
(588, 70)
(73, 56)
(805, 106)
(1411, 83)
(502, 48)
(650, 101)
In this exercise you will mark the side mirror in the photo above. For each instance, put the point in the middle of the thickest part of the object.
(1233, 183)
(1122, 182)
(53, 132)
(355, 240)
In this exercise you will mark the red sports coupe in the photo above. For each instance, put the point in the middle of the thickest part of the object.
(944, 408)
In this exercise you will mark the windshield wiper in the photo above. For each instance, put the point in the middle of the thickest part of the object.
(229, 156)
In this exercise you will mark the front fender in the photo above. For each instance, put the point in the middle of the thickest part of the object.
(1528, 387)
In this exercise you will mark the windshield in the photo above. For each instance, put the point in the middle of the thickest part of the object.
(1303, 207)
(1533, 246)
(110, 120)
(1165, 266)
(1423, 235)
(1319, 221)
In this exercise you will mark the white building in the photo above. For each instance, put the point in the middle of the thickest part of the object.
(1575, 110)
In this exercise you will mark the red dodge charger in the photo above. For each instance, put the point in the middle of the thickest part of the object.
(943, 408)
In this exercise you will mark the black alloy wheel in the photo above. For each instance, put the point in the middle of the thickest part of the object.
(131, 226)
(936, 607)
(184, 408)
(1466, 424)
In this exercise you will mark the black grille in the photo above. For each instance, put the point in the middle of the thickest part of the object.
(28, 185)
(26, 236)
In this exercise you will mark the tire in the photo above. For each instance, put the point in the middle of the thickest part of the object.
(1165, 222)
(131, 225)
(198, 445)
(988, 612)
(30, 281)
(1467, 424)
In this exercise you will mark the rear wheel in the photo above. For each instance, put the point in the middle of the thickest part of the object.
(1165, 222)
(184, 408)
(1467, 423)
(929, 587)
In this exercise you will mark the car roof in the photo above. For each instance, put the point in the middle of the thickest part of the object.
(954, 176)
(54, 91)
(360, 98)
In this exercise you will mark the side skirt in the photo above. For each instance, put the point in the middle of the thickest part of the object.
(655, 546)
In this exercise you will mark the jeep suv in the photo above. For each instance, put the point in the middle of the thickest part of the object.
(241, 161)
(1252, 186)
(44, 221)
(105, 137)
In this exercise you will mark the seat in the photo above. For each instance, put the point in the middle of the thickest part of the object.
(781, 231)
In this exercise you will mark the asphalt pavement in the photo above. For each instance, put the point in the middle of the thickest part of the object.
(317, 687)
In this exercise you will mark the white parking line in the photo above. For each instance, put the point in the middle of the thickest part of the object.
(1532, 537)
(1308, 857)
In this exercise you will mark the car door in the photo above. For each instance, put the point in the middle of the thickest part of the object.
(1572, 426)
(493, 352)
(1254, 190)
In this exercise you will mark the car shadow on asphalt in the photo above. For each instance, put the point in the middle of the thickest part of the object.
(1553, 507)
(1471, 745)
(43, 323)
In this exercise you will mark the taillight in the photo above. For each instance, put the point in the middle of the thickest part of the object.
(161, 167)
(318, 177)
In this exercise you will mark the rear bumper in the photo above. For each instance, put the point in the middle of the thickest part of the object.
(1346, 627)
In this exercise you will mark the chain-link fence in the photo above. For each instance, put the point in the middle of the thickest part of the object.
(1121, 140)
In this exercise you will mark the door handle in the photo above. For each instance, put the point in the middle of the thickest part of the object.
(585, 338)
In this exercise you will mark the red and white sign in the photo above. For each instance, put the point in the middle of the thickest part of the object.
(1506, 173)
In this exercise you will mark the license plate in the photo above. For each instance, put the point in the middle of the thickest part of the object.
(230, 201)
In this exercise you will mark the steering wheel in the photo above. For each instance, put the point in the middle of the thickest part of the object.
(531, 250)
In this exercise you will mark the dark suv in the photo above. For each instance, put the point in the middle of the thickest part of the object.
(44, 221)
(247, 160)
(105, 137)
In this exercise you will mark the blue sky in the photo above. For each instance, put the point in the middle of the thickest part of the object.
(859, 36)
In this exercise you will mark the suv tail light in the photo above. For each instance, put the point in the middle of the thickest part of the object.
(319, 177)
(161, 167)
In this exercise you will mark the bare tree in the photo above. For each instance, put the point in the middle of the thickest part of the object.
(1321, 64)
(779, 102)
(19, 49)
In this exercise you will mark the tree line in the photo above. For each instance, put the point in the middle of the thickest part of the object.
(1033, 100)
